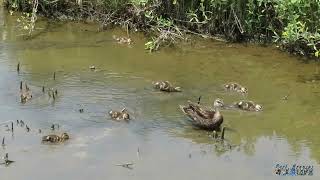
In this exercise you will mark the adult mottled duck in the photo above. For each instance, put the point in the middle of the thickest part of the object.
(202, 117)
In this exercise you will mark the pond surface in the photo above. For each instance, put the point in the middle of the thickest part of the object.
(287, 131)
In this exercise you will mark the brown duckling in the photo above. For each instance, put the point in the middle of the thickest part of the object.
(122, 115)
(122, 40)
(166, 86)
(52, 138)
(233, 86)
(243, 105)
(248, 106)
(25, 96)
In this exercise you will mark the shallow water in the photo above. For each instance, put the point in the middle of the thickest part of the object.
(169, 148)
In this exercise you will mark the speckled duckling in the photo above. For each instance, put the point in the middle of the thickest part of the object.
(233, 86)
(166, 86)
(248, 106)
(122, 40)
(52, 138)
(25, 94)
(243, 105)
(122, 115)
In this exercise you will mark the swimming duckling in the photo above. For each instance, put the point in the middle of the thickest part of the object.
(25, 96)
(248, 106)
(166, 86)
(243, 105)
(122, 40)
(218, 103)
(52, 138)
(122, 115)
(232, 86)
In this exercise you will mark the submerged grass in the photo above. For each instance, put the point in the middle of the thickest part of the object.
(294, 24)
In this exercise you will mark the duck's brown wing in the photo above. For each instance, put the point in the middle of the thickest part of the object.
(197, 120)
(201, 111)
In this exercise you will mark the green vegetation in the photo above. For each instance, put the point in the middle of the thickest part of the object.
(293, 24)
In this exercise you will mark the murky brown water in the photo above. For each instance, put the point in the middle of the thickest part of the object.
(285, 132)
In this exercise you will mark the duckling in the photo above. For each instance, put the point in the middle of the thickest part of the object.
(122, 40)
(25, 95)
(52, 138)
(166, 86)
(232, 86)
(248, 106)
(122, 115)
(218, 103)
(243, 105)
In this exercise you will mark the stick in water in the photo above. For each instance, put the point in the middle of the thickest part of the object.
(199, 99)
(43, 89)
(27, 88)
(54, 75)
(12, 126)
(18, 67)
(20, 85)
(138, 153)
(126, 165)
(3, 144)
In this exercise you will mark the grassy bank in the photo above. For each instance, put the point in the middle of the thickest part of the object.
(293, 24)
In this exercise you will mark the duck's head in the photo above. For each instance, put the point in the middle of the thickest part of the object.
(258, 107)
(125, 116)
(243, 90)
(218, 103)
(156, 84)
(64, 136)
(178, 89)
